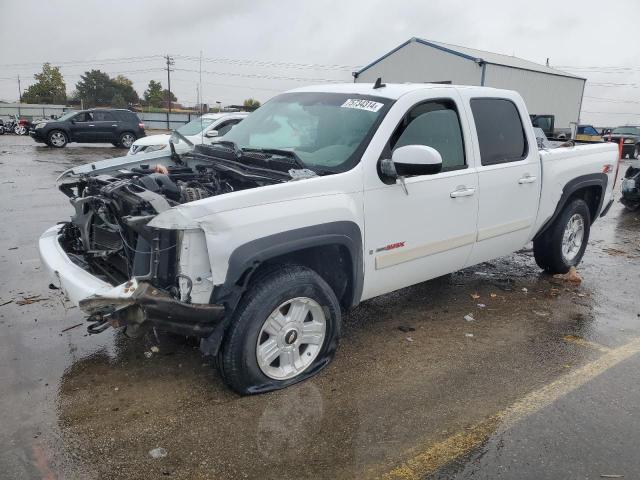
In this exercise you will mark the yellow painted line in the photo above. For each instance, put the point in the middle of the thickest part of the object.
(429, 458)
(585, 343)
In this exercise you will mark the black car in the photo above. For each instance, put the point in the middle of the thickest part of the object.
(630, 140)
(117, 126)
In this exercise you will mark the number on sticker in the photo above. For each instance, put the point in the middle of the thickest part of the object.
(361, 104)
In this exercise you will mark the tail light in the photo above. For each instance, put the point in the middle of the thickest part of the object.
(141, 125)
(615, 176)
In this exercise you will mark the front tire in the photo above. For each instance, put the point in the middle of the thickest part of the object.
(284, 330)
(563, 243)
(57, 139)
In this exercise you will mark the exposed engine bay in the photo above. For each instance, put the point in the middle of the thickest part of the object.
(108, 234)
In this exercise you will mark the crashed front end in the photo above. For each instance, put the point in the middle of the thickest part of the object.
(121, 271)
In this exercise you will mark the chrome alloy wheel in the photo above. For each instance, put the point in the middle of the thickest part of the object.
(58, 139)
(291, 338)
(127, 140)
(572, 237)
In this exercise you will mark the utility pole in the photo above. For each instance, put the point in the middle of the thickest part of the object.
(169, 63)
(19, 96)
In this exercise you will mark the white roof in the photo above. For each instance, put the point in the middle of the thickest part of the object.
(390, 90)
(480, 56)
(216, 116)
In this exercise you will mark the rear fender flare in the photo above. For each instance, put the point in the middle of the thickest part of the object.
(592, 179)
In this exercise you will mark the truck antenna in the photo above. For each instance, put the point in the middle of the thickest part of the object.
(378, 84)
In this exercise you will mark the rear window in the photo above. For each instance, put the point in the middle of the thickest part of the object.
(500, 131)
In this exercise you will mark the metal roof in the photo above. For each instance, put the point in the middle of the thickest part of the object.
(478, 56)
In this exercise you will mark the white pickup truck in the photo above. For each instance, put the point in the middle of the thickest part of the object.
(322, 198)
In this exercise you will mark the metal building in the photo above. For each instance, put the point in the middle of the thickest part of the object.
(544, 89)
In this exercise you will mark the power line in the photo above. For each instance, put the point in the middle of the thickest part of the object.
(264, 76)
(86, 62)
(268, 63)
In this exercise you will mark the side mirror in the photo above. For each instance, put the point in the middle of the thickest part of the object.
(411, 160)
(72, 121)
(211, 134)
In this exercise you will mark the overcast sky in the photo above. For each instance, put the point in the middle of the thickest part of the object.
(335, 35)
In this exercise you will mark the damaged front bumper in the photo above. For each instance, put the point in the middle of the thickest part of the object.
(134, 303)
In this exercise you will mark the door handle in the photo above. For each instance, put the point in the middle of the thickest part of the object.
(462, 192)
(527, 179)
(114, 125)
(92, 125)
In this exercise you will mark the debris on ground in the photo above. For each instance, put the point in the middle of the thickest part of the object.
(155, 349)
(475, 296)
(525, 289)
(614, 252)
(469, 335)
(406, 328)
(31, 299)
(570, 276)
(469, 317)
(148, 354)
(540, 313)
(409, 339)
(158, 452)
(11, 301)
(53, 287)
(481, 305)
(493, 295)
(13, 248)
(71, 327)
(605, 475)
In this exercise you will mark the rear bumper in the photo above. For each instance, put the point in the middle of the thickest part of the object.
(133, 302)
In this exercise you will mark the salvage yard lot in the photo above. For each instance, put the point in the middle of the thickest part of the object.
(416, 389)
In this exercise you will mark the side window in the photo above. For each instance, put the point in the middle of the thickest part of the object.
(81, 117)
(224, 127)
(500, 131)
(434, 124)
(103, 117)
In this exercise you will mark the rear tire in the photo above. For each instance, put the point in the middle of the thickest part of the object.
(126, 140)
(57, 139)
(284, 330)
(563, 243)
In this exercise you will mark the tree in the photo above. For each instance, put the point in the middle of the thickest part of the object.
(49, 87)
(95, 88)
(251, 103)
(166, 95)
(118, 101)
(124, 87)
(153, 95)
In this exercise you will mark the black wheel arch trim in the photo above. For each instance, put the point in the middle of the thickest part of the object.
(246, 258)
(589, 180)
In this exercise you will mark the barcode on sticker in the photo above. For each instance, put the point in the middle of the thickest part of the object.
(361, 104)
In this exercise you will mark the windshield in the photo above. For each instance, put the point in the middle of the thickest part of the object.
(196, 126)
(67, 116)
(626, 131)
(325, 130)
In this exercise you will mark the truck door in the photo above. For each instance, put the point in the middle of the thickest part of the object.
(509, 177)
(410, 238)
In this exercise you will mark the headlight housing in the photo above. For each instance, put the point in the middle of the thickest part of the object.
(629, 140)
(154, 148)
(41, 124)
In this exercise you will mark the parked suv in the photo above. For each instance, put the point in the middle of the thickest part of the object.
(117, 126)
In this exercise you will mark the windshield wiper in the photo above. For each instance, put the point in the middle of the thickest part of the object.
(280, 152)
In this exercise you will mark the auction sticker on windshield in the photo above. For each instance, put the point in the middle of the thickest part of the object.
(362, 104)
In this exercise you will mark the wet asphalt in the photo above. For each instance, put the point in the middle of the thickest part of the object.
(542, 383)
